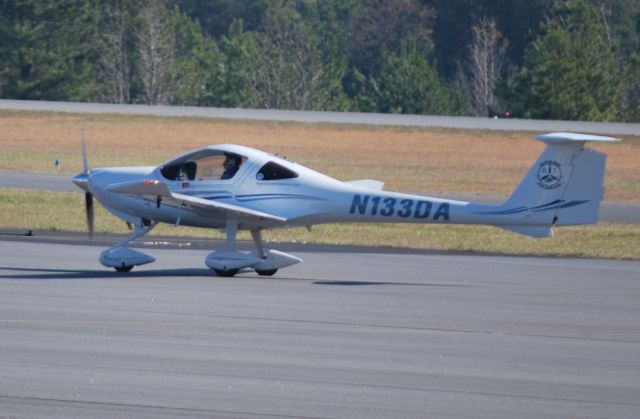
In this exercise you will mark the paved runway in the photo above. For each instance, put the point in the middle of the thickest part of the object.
(618, 212)
(343, 335)
(609, 128)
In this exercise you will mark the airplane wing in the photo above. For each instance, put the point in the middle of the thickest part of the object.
(157, 190)
(205, 205)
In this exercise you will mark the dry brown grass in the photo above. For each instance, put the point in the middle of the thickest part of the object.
(412, 160)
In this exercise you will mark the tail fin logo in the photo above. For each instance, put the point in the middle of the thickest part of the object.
(549, 174)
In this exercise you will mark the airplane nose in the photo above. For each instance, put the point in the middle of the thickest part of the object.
(81, 180)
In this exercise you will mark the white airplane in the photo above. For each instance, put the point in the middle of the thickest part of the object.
(232, 188)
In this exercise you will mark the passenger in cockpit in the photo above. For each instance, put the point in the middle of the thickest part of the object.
(231, 165)
(187, 171)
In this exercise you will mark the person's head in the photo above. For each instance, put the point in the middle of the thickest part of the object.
(231, 162)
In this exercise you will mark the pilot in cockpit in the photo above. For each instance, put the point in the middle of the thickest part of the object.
(231, 165)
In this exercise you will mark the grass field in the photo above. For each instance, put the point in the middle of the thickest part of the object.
(412, 160)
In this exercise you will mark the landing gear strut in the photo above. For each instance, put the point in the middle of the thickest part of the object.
(257, 239)
(123, 259)
(228, 262)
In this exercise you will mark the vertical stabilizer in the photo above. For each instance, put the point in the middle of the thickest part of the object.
(564, 186)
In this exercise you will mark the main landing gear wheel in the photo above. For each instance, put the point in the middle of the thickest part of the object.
(266, 272)
(228, 273)
(123, 268)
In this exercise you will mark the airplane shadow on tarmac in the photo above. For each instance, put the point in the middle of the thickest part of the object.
(41, 273)
(360, 283)
(62, 274)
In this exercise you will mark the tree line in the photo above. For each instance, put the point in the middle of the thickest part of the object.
(547, 59)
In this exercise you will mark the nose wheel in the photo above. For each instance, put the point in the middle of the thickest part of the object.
(266, 272)
(123, 268)
(122, 258)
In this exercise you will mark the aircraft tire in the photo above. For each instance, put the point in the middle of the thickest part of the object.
(123, 268)
(266, 272)
(228, 273)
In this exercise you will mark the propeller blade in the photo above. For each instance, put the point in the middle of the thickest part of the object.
(85, 163)
(88, 200)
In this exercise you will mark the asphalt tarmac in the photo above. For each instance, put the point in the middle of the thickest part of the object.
(618, 212)
(351, 334)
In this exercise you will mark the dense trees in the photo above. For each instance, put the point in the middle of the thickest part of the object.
(560, 59)
(47, 50)
(569, 70)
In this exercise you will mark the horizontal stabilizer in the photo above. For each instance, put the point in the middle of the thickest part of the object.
(532, 231)
(568, 137)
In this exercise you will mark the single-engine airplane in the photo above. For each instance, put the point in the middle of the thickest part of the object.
(232, 188)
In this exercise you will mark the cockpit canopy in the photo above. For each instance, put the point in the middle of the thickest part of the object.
(219, 163)
(205, 164)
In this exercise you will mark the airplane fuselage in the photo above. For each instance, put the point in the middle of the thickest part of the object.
(301, 202)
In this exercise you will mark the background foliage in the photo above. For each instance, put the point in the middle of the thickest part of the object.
(556, 59)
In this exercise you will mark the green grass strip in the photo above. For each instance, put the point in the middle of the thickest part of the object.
(56, 211)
